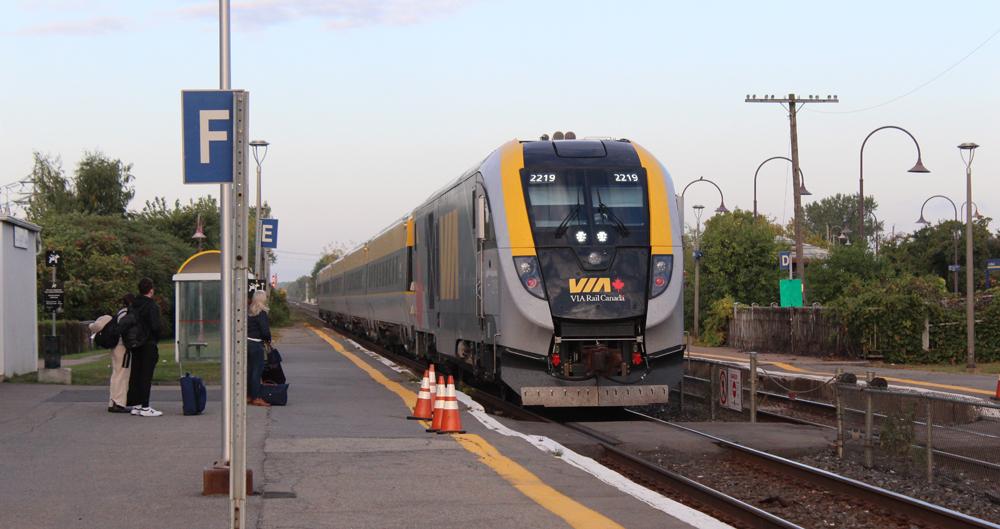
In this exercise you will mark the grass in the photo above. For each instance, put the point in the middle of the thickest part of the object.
(98, 372)
(982, 368)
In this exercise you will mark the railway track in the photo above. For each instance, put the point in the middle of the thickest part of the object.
(883, 508)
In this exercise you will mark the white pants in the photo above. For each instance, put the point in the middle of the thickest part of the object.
(119, 376)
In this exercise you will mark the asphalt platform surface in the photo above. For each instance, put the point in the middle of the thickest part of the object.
(341, 454)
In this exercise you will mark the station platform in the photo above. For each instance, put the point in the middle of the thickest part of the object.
(341, 454)
(969, 384)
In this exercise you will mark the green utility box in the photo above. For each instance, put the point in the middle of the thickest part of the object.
(791, 292)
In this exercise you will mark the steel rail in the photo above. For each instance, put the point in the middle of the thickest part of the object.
(935, 515)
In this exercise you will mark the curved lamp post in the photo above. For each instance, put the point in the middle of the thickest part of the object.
(970, 289)
(975, 207)
(872, 215)
(802, 181)
(917, 168)
(680, 198)
(925, 222)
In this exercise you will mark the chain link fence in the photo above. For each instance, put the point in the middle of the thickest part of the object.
(932, 436)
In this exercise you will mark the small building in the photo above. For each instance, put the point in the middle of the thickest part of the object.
(198, 302)
(19, 246)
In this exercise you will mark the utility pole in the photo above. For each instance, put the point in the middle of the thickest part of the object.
(792, 101)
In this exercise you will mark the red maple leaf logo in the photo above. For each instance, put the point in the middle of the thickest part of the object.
(618, 284)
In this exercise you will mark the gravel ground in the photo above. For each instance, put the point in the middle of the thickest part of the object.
(794, 501)
(953, 490)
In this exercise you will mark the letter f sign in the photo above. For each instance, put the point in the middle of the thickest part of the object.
(207, 136)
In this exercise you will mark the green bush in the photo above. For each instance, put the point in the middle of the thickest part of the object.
(716, 328)
(280, 315)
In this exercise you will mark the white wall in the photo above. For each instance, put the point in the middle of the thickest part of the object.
(18, 300)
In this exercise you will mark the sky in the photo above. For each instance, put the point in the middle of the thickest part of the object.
(370, 106)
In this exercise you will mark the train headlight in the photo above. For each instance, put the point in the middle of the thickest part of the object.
(602, 236)
(528, 273)
(581, 236)
(662, 268)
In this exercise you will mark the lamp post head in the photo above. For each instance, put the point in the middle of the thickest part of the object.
(923, 221)
(845, 229)
(722, 208)
(968, 146)
(919, 167)
(803, 191)
(698, 207)
(842, 238)
(259, 143)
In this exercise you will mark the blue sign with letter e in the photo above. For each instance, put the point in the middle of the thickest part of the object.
(208, 136)
(269, 233)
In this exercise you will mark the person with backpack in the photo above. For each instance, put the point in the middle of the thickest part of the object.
(140, 334)
(258, 333)
(108, 335)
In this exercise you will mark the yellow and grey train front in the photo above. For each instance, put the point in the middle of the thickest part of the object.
(592, 309)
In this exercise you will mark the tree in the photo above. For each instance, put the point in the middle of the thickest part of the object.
(931, 249)
(331, 253)
(739, 261)
(103, 186)
(838, 211)
(181, 220)
(846, 265)
(52, 191)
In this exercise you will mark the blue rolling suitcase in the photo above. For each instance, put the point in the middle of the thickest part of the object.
(193, 393)
(274, 394)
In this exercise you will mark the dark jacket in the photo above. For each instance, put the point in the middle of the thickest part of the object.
(148, 314)
(259, 327)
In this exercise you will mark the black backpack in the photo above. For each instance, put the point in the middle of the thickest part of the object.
(108, 337)
(132, 331)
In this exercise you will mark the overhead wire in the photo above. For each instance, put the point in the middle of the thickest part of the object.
(918, 87)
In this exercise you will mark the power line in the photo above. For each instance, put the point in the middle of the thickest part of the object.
(918, 87)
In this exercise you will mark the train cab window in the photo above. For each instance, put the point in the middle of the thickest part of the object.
(586, 207)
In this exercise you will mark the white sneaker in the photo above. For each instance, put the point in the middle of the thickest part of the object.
(135, 410)
(150, 412)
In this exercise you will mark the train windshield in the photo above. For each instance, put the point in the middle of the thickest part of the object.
(587, 207)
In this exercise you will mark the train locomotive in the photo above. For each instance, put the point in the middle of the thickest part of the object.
(552, 268)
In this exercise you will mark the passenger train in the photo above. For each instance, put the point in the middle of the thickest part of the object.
(552, 268)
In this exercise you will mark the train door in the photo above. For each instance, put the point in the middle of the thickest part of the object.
(487, 287)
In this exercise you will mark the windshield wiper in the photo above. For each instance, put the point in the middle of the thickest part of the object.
(564, 225)
(606, 212)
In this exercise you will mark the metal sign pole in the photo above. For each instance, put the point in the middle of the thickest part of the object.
(238, 444)
(225, 198)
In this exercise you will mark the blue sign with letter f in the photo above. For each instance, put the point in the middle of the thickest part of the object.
(208, 119)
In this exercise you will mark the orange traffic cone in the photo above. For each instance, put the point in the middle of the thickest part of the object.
(422, 411)
(452, 420)
(438, 404)
(997, 395)
(433, 378)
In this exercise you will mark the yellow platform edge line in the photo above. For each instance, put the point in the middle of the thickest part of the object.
(572, 512)
(910, 381)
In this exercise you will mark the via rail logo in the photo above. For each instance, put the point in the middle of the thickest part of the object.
(595, 289)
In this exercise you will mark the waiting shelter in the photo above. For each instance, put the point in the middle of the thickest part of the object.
(198, 299)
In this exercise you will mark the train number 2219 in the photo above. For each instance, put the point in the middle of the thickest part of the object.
(541, 178)
(626, 177)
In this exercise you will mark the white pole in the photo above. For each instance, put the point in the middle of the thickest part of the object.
(226, 246)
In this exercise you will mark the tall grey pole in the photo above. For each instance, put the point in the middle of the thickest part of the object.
(970, 289)
(258, 265)
(225, 200)
(241, 196)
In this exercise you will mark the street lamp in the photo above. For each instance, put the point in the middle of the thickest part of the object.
(872, 215)
(843, 232)
(802, 181)
(917, 168)
(968, 152)
(680, 200)
(925, 222)
(975, 207)
(258, 264)
(698, 209)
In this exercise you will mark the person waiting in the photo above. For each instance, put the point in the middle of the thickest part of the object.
(258, 334)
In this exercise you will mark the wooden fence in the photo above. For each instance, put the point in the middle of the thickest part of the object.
(810, 331)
